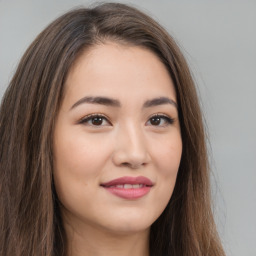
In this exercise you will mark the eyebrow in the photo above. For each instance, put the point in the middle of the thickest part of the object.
(98, 100)
(159, 101)
(115, 103)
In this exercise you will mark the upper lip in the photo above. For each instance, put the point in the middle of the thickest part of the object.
(128, 180)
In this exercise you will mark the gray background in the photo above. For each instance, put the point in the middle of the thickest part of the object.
(219, 40)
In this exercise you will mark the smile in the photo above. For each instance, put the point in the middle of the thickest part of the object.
(129, 187)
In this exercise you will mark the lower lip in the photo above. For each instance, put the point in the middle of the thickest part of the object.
(130, 193)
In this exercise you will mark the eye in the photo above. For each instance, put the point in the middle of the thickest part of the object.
(160, 120)
(95, 120)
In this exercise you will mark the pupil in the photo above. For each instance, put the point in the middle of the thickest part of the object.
(97, 121)
(155, 120)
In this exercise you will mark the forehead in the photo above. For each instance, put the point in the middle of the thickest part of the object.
(118, 70)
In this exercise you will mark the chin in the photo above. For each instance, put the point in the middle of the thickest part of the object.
(129, 223)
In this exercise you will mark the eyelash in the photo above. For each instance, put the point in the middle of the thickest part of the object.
(168, 120)
(88, 118)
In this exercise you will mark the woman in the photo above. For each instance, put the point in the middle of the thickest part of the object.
(102, 143)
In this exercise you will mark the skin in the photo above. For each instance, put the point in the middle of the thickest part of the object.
(126, 142)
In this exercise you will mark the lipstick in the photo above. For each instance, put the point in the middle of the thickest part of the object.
(129, 187)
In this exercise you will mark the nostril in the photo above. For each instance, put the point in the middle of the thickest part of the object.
(133, 165)
(130, 158)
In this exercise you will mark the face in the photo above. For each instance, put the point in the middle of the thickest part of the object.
(117, 141)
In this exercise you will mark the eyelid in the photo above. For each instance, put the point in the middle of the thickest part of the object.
(161, 115)
(88, 117)
(170, 120)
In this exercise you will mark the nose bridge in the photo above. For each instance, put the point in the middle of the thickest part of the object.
(131, 146)
(135, 137)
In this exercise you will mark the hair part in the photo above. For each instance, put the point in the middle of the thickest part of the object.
(30, 221)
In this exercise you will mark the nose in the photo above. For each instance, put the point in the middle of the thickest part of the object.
(131, 148)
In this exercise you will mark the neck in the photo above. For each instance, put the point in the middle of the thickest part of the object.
(92, 241)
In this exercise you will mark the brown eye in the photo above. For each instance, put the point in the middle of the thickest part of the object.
(155, 120)
(95, 120)
(98, 120)
(160, 120)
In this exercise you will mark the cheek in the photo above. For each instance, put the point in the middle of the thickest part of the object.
(77, 165)
(80, 155)
(167, 155)
(167, 159)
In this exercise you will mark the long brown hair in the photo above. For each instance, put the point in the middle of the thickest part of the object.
(30, 223)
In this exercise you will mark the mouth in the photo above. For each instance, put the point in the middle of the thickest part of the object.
(129, 187)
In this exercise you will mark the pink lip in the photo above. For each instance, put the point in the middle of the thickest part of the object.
(144, 183)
